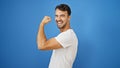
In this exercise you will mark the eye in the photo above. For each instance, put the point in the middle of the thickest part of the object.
(56, 15)
(62, 15)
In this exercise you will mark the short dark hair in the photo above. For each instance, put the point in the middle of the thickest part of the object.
(64, 7)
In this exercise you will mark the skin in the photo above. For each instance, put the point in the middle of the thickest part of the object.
(63, 22)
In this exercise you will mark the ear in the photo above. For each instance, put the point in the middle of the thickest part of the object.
(69, 18)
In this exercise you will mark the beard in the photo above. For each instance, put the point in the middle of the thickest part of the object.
(61, 24)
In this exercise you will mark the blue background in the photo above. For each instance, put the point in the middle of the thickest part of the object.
(96, 23)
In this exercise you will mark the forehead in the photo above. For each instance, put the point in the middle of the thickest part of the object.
(59, 12)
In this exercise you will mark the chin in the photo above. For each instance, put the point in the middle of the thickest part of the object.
(59, 27)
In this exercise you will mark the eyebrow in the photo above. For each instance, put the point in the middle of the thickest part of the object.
(61, 15)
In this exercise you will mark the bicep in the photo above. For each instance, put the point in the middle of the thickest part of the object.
(51, 44)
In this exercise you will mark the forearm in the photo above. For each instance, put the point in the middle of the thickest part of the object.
(41, 38)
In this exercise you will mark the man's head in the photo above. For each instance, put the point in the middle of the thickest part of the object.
(64, 7)
(62, 15)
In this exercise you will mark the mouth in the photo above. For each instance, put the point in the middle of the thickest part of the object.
(59, 23)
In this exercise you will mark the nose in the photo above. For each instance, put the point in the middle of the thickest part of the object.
(58, 18)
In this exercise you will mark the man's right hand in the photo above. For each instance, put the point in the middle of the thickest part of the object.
(46, 19)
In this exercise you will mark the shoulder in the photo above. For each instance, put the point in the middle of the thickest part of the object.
(66, 38)
(67, 34)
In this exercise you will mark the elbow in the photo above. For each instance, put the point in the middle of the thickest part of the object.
(40, 47)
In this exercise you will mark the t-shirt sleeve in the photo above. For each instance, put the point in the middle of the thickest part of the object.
(65, 39)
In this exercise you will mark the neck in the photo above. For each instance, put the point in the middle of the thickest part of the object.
(64, 29)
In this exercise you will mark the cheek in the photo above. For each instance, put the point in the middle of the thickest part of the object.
(64, 19)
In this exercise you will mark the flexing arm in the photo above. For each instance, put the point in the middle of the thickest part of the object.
(42, 41)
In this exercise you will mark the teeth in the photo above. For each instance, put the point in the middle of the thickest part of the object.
(59, 22)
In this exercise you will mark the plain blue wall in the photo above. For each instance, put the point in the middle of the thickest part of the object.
(96, 23)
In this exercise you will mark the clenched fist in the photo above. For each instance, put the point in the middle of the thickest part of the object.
(46, 19)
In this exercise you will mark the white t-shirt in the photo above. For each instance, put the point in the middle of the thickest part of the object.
(64, 57)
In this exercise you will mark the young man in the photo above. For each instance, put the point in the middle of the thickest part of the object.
(64, 46)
